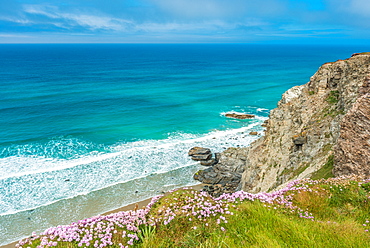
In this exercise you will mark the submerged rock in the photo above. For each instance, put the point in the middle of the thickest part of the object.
(239, 116)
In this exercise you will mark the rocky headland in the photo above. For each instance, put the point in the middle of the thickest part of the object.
(319, 130)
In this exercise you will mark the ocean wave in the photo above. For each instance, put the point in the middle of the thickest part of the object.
(44, 180)
(263, 110)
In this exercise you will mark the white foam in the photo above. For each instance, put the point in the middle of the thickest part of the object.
(61, 178)
(262, 110)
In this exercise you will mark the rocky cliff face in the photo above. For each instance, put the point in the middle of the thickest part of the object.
(352, 150)
(319, 128)
(324, 119)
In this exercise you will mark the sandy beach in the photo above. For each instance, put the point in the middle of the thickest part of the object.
(133, 206)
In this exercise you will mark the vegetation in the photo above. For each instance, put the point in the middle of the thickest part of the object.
(294, 172)
(311, 92)
(325, 171)
(308, 213)
(333, 97)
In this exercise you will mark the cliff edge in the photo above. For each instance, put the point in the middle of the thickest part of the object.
(319, 129)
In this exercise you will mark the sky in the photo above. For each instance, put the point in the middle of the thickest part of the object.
(185, 21)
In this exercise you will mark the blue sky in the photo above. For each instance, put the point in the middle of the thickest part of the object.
(185, 21)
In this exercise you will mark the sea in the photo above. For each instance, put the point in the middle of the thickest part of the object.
(88, 128)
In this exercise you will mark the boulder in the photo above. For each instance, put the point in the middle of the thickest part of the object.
(201, 157)
(200, 153)
(199, 150)
(253, 133)
(214, 176)
(211, 161)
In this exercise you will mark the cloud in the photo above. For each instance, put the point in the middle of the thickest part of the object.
(239, 20)
(219, 9)
(6, 35)
(52, 15)
(357, 7)
(70, 20)
(351, 13)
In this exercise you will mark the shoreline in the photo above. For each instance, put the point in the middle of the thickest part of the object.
(132, 206)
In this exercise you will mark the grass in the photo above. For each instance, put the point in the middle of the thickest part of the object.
(333, 97)
(308, 213)
(326, 170)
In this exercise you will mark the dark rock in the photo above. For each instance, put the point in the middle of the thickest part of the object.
(217, 190)
(201, 157)
(253, 133)
(214, 176)
(299, 141)
(200, 154)
(198, 150)
(239, 116)
(217, 156)
(212, 161)
(208, 162)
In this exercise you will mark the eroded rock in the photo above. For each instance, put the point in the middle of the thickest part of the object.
(200, 154)
(352, 151)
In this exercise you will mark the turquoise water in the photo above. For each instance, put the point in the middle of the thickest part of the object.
(106, 125)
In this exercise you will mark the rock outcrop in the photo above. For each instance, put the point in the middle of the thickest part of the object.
(225, 175)
(322, 124)
(352, 151)
(200, 153)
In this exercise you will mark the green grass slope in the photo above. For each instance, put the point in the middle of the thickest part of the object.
(308, 213)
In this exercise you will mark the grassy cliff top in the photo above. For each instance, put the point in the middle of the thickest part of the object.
(307, 213)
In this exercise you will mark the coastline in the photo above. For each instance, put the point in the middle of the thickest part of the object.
(132, 206)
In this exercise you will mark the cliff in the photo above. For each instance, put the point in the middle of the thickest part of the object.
(319, 129)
